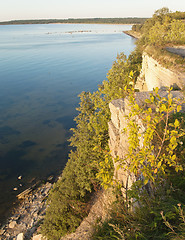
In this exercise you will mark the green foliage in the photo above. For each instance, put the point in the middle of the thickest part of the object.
(146, 221)
(161, 12)
(105, 231)
(66, 206)
(137, 28)
(179, 233)
(162, 29)
(151, 152)
(106, 171)
(89, 162)
(122, 223)
(166, 33)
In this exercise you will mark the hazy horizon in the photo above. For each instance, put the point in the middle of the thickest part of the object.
(58, 9)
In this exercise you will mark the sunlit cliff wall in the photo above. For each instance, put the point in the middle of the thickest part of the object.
(154, 75)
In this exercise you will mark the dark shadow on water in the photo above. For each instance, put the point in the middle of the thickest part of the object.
(67, 122)
(5, 132)
(41, 149)
(12, 163)
(27, 144)
(49, 123)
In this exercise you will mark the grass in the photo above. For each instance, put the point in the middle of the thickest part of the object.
(167, 59)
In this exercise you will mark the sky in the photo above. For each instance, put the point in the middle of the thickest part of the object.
(62, 9)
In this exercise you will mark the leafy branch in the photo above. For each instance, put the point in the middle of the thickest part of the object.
(146, 157)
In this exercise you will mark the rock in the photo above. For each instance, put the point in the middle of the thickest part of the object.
(15, 189)
(24, 222)
(155, 75)
(31, 222)
(12, 224)
(19, 177)
(20, 236)
(38, 237)
(50, 178)
(2, 231)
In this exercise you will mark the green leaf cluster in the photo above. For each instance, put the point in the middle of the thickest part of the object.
(152, 152)
(146, 221)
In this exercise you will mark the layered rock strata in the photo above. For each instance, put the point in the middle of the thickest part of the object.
(118, 142)
(153, 75)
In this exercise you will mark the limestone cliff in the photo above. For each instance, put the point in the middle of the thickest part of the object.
(118, 141)
(153, 74)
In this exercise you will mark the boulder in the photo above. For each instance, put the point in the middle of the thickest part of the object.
(2, 231)
(20, 236)
(38, 237)
(12, 224)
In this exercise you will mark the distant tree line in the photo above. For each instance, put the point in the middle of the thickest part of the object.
(129, 20)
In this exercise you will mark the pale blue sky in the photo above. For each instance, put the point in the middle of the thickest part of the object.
(43, 9)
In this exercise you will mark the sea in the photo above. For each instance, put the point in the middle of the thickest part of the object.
(43, 69)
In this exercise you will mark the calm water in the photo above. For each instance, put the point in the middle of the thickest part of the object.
(42, 70)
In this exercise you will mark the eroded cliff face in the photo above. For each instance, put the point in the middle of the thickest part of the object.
(152, 75)
(155, 75)
(118, 142)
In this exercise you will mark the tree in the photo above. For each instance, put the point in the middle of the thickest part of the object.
(161, 12)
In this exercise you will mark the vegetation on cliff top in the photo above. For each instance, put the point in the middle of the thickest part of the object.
(164, 29)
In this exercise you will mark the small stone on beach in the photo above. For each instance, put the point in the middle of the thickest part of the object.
(20, 236)
(12, 224)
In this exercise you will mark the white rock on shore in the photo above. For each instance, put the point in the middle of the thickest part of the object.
(20, 236)
(38, 237)
(12, 224)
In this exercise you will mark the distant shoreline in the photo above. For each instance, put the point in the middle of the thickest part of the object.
(126, 24)
(115, 21)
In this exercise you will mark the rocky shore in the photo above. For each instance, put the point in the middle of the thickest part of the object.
(133, 34)
(26, 218)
